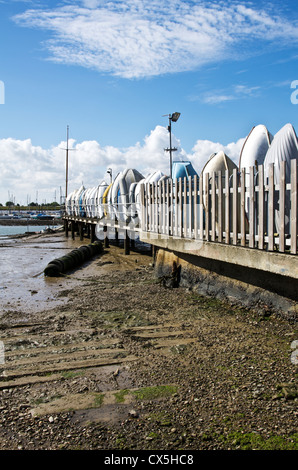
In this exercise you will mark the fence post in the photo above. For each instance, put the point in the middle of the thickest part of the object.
(207, 207)
(251, 208)
(201, 202)
(261, 199)
(190, 206)
(282, 203)
(242, 208)
(195, 206)
(227, 214)
(220, 202)
(213, 207)
(294, 206)
(235, 206)
(271, 208)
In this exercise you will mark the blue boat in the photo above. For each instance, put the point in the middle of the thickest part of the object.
(182, 170)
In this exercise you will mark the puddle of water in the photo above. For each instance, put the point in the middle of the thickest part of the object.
(23, 286)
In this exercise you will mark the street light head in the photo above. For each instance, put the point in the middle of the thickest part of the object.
(175, 117)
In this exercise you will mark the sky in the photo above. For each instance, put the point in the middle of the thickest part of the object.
(113, 71)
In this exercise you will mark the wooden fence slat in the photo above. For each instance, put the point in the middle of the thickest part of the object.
(235, 208)
(207, 207)
(282, 201)
(168, 208)
(251, 208)
(176, 208)
(143, 205)
(261, 204)
(271, 208)
(213, 207)
(227, 207)
(180, 208)
(163, 207)
(190, 207)
(171, 206)
(184, 192)
(219, 205)
(242, 207)
(195, 206)
(201, 213)
(294, 204)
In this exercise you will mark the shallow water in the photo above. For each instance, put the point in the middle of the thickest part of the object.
(23, 286)
(8, 230)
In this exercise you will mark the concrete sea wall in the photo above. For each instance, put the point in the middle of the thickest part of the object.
(257, 289)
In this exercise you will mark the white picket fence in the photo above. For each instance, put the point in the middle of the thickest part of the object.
(250, 209)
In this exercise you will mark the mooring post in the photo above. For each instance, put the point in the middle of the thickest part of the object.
(126, 243)
(116, 237)
(73, 227)
(153, 251)
(66, 227)
(92, 233)
(81, 231)
(88, 230)
(106, 240)
(132, 240)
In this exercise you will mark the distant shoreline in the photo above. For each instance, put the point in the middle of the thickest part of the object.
(10, 222)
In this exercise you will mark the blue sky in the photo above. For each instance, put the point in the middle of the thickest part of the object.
(111, 70)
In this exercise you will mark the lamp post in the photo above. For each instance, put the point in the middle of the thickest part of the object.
(66, 163)
(109, 171)
(172, 118)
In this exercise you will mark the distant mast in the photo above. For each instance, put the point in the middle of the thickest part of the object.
(66, 175)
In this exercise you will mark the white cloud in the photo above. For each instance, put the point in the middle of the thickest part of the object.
(234, 93)
(141, 38)
(33, 170)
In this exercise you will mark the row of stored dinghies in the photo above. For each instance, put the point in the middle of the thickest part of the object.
(121, 199)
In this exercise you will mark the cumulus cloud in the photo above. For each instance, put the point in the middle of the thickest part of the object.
(143, 38)
(35, 172)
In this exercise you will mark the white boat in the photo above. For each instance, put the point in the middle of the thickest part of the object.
(218, 162)
(255, 147)
(252, 154)
(151, 178)
(99, 211)
(283, 148)
(120, 193)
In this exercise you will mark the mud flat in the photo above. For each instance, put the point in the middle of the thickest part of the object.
(113, 359)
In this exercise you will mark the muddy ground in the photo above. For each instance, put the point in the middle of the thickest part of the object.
(125, 363)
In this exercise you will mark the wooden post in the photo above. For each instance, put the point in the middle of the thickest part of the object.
(220, 207)
(190, 207)
(116, 237)
(106, 240)
(81, 231)
(282, 205)
(126, 243)
(176, 208)
(180, 208)
(235, 206)
(207, 218)
(73, 227)
(294, 204)
(251, 208)
(213, 208)
(92, 233)
(201, 202)
(227, 207)
(261, 206)
(271, 208)
(66, 227)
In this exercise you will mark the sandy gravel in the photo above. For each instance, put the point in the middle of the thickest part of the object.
(124, 363)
